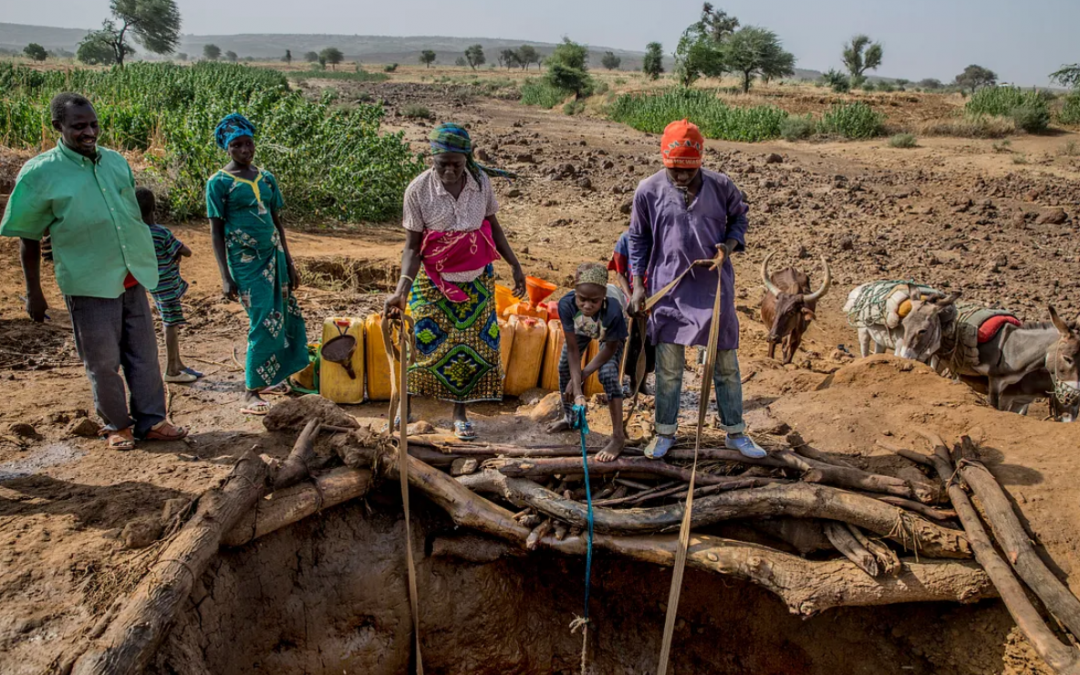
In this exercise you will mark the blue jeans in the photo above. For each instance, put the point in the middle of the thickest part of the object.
(115, 333)
(670, 362)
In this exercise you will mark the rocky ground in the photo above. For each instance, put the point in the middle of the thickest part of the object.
(997, 224)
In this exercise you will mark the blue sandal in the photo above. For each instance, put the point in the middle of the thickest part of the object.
(659, 446)
(464, 431)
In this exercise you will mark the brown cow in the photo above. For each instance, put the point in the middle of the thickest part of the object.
(787, 308)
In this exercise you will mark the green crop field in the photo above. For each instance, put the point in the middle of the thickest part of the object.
(331, 160)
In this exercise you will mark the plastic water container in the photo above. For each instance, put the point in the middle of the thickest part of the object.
(592, 384)
(526, 356)
(341, 365)
(504, 298)
(506, 344)
(378, 368)
(549, 376)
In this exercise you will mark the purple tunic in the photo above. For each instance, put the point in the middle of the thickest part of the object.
(666, 236)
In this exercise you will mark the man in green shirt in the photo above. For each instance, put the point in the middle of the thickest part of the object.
(83, 196)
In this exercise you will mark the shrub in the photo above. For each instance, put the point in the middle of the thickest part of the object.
(1003, 100)
(390, 68)
(903, 141)
(853, 120)
(970, 126)
(837, 81)
(1070, 149)
(574, 107)
(331, 160)
(540, 93)
(870, 86)
(1031, 118)
(1070, 111)
(653, 111)
(418, 112)
(797, 128)
(1003, 147)
(887, 87)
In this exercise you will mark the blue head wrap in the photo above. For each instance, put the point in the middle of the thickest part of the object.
(234, 126)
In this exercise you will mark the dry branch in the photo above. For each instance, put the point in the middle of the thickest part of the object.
(799, 500)
(886, 558)
(1014, 541)
(549, 466)
(293, 504)
(844, 541)
(295, 467)
(1062, 658)
(129, 643)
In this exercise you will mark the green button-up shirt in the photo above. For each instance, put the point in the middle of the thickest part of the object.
(88, 209)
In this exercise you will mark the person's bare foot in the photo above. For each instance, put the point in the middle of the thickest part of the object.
(559, 427)
(612, 450)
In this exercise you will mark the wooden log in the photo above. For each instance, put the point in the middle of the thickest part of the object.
(886, 558)
(1014, 541)
(806, 587)
(911, 455)
(800, 500)
(288, 506)
(844, 541)
(801, 534)
(295, 467)
(129, 643)
(911, 505)
(811, 453)
(1064, 659)
(549, 466)
(474, 548)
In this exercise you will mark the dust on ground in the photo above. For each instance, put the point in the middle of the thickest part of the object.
(957, 214)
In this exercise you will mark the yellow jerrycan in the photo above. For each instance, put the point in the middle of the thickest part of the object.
(378, 368)
(549, 377)
(592, 384)
(527, 355)
(506, 344)
(341, 365)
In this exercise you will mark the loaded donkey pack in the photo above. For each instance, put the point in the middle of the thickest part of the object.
(1014, 364)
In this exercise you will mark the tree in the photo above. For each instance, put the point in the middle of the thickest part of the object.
(94, 51)
(757, 52)
(528, 55)
(610, 61)
(929, 83)
(460, 62)
(1067, 76)
(700, 49)
(427, 57)
(311, 57)
(182, 56)
(653, 64)
(154, 24)
(474, 56)
(568, 68)
(36, 52)
(974, 77)
(860, 55)
(509, 58)
(231, 56)
(288, 57)
(331, 55)
(211, 52)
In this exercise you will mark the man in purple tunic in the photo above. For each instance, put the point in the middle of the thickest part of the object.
(683, 214)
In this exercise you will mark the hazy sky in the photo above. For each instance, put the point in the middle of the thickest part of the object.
(1022, 40)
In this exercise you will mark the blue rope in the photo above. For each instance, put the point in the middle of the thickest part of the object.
(581, 422)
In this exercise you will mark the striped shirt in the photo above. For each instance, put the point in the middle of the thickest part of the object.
(167, 247)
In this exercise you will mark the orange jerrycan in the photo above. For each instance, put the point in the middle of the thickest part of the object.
(378, 368)
(341, 368)
(504, 299)
(527, 355)
(549, 377)
(506, 344)
(592, 384)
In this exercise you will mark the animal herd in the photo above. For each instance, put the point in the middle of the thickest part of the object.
(1014, 364)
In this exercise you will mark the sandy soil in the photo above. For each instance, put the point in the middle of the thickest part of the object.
(954, 213)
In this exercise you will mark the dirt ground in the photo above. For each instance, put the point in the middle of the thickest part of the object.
(958, 214)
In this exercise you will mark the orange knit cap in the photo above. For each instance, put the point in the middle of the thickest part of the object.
(682, 145)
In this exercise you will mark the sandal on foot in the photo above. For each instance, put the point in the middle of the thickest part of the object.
(256, 408)
(183, 377)
(121, 441)
(464, 431)
(192, 371)
(165, 431)
(280, 389)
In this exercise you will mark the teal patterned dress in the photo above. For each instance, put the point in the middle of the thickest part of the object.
(277, 337)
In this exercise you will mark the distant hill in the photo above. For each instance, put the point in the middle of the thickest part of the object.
(363, 48)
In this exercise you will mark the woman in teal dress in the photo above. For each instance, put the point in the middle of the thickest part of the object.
(244, 203)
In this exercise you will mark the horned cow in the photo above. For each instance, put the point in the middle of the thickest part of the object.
(788, 306)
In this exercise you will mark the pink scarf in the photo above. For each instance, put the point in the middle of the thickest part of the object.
(449, 252)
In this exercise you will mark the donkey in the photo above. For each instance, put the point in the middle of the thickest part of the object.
(1035, 386)
(788, 306)
(922, 327)
(1013, 354)
(880, 336)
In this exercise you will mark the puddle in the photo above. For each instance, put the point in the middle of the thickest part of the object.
(52, 454)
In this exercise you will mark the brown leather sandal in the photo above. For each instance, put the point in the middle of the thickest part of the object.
(165, 431)
(121, 441)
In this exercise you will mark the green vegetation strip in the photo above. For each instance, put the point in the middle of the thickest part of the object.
(653, 112)
(330, 160)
